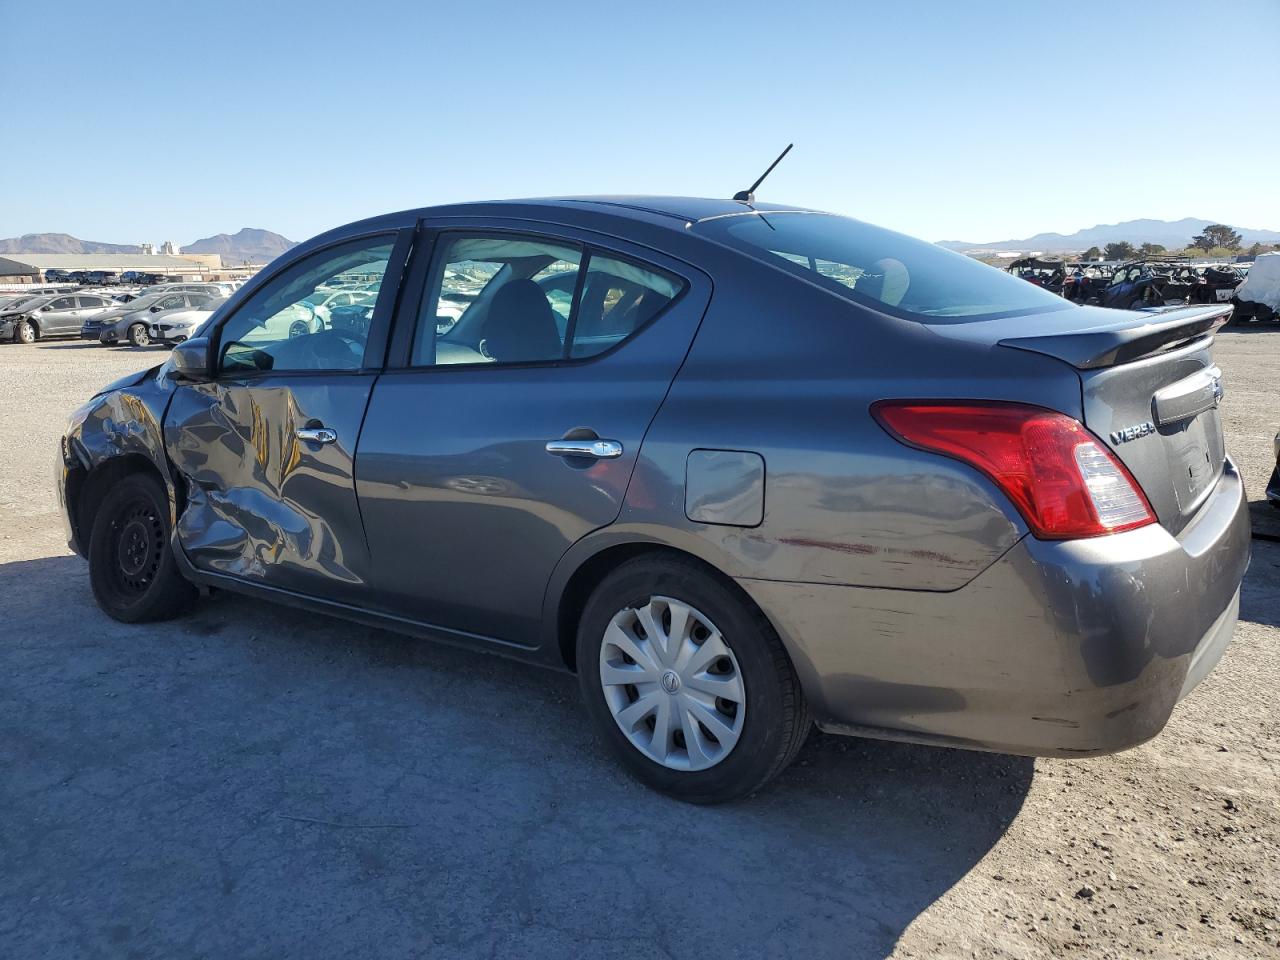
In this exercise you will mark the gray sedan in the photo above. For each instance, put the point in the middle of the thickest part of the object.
(132, 323)
(743, 468)
(58, 315)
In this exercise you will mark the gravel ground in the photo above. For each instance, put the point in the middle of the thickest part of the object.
(256, 782)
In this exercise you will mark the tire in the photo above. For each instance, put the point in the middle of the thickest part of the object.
(138, 335)
(26, 332)
(132, 570)
(775, 718)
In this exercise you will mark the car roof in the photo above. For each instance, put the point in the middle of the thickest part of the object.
(627, 206)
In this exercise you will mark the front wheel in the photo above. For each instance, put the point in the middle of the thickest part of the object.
(138, 335)
(687, 682)
(132, 570)
(26, 332)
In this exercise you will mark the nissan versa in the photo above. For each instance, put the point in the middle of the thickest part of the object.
(742, 467)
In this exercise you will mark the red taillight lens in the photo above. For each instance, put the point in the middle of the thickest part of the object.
(1059, 476)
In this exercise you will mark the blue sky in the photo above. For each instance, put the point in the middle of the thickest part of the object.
(949, 120)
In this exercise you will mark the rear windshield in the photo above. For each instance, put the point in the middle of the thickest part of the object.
(882, 269)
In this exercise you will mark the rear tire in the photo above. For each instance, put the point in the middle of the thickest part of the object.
(26, 332)
(775, 717)
(132, 569)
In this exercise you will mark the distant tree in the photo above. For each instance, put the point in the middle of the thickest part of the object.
(1217, 235)
(1122, 250)
(1151, 249)
(1093, 253)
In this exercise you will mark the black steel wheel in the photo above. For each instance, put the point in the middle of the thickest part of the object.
(131, 565)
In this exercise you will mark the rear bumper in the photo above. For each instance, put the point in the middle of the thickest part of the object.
(1057, 649)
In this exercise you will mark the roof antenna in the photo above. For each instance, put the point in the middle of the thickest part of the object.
(749, 195)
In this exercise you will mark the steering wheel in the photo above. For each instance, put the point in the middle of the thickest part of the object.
(337, 350)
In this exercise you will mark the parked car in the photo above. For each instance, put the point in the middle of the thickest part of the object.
(58, 315)
(173, 326)
(1049, 274)
(132, 323)
(1086, 282)
(773, 466)
(1141, 284)
(1258, 295)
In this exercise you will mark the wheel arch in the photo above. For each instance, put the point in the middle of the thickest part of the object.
(567, 603)
(86, 495)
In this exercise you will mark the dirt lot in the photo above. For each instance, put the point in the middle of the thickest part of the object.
(255, 782)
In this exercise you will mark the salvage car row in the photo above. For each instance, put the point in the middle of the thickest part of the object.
(167, 314)
(1253, 289)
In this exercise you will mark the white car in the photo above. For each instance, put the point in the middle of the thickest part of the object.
(1258, 296)
(178, 325)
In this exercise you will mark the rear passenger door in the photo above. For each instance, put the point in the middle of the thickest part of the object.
(523, 378)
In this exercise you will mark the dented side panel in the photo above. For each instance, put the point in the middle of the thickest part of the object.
(123, 421)
(264, 505)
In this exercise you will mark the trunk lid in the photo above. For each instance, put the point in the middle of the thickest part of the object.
(1150, 391)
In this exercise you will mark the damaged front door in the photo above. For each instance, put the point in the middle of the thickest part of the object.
(266, 447)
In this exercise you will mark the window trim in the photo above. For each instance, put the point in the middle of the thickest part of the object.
(438, 243)
(384, 312)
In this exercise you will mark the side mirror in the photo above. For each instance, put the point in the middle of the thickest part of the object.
(155, 309)
(46, 309)
(189, 361)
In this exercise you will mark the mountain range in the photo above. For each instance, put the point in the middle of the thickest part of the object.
(1173, 234)
(248, 244)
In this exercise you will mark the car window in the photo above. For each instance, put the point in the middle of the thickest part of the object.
(881, 269)
(63, 303)
(486, 301)
(280, 327)
(522, 300)
(618, 298)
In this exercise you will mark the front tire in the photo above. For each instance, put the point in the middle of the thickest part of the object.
(138, 335)
(687, 682)
(26, 333)
(132, 569)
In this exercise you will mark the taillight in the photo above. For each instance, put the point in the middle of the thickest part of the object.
(1059, 476)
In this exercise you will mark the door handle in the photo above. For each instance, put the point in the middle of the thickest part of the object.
(596, 449)
(316, 434)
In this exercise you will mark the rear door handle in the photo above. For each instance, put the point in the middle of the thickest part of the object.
(316, 434)
(596, 449)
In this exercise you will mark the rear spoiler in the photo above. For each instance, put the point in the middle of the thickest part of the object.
(1128, 339)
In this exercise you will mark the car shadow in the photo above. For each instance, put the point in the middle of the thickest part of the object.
(260, 780)
(1260, 593)
(55, 344)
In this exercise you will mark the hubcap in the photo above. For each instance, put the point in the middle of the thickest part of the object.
(672, 684)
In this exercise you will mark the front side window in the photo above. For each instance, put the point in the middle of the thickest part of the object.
(63, 303)
(882, 269)
(282, 326)
(524, 300)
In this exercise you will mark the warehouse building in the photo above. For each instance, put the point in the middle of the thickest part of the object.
(32, 267)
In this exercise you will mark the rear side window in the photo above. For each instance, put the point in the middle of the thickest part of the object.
(880, 268)
(514, 299)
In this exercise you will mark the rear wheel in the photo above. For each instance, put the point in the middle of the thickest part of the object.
(131, 565)
(26, 332)
(138, 335)
(687, 682)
